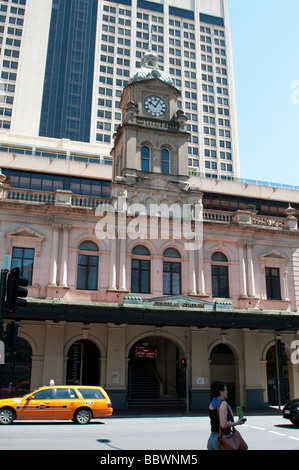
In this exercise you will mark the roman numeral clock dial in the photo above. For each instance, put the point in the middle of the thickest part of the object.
(155, 106)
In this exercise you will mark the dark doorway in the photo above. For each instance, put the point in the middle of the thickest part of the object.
(15, 374)
(154, 370)
(83, 366)
(272, 377)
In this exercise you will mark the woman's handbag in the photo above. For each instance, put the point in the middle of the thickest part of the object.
(231, 441)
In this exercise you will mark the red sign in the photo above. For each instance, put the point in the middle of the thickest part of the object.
(146, 351)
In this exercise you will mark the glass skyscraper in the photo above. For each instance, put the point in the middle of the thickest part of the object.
(67, 95)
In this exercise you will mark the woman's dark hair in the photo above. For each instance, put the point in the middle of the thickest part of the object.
(216, 388)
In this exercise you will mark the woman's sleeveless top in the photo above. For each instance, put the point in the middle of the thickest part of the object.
(215, 419)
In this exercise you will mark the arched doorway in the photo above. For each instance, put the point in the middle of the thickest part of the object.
(283, 375)
(223, 369)
(154, 370)
(16, 373)
(83, 365)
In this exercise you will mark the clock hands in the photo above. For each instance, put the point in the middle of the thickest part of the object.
(155, 106)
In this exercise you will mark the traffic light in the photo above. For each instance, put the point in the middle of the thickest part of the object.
(183, 363)
(281, 348)
(2, 353)
(15, 289)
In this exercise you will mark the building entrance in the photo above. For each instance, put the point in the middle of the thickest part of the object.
(223, 369)
(16, 373)
(154, 372)
(283, 376)
(83, 365)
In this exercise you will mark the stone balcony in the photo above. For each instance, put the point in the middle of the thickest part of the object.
(242, 217)
(64, 198)
(58, 198)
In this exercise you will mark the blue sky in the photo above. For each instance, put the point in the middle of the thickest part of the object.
(265, 40)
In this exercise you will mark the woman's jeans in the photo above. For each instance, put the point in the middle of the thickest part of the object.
(212, 442)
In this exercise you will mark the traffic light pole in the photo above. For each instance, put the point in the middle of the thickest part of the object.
(187, 369)
(4, 272)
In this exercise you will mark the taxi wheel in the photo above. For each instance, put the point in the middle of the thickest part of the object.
(82, 416)
(7, 415)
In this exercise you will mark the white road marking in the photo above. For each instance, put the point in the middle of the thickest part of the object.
(273, 432)
(278, 433)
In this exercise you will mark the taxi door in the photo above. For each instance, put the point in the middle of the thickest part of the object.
(65, 403)
(38, 405)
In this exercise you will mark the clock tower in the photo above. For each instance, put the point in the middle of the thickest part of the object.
(152, 138)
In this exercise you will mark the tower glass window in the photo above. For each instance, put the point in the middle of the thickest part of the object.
(165, 162)
(145, 158)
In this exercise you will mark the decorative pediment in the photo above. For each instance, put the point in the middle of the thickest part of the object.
(273, 255)
(25, 235)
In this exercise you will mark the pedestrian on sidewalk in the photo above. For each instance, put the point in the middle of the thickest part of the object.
(225, 418)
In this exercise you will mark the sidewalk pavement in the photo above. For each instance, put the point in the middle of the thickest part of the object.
(173, 412)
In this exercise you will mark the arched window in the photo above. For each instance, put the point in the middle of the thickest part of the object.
(87, 273)
(220, 284)
(218, 256)
(145, 158)
(140, 270)
(171, 272)
(165, 162)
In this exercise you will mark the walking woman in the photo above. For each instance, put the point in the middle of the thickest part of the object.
(219, 394)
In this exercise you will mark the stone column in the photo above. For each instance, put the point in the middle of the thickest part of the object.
(192, 275)
(243, 286)
(284, 277)
(122, 265)
(201, 288)
(53, 355)
(64, 255)
(54, 255)
(116, 365)
(250, 272)
(112, 265)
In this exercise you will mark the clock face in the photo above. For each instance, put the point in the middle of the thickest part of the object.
(155, 106)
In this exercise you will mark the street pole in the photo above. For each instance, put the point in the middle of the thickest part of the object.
(4, 272)
(277, 373)
(187, 369)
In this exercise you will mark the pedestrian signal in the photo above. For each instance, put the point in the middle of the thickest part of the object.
(183, 363)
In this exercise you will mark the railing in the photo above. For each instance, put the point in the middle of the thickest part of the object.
(54, 198)
(52, 154)
(217, 216)
(25, 195)
(257, 220)
(88, 202)
(268, 221)
(256, 182)
(169, 125)
(67, 198)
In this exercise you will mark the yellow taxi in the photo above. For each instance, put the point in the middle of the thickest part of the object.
(79, 403)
